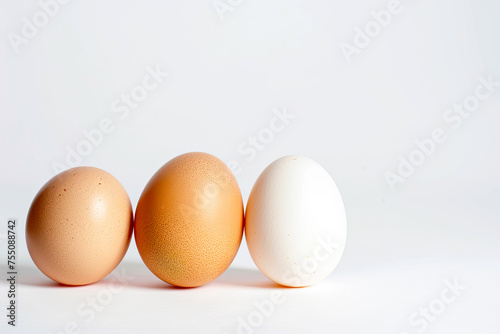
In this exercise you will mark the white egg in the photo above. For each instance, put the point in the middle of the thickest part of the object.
(295, 222)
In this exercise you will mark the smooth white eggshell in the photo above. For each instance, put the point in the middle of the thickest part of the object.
(295, 222)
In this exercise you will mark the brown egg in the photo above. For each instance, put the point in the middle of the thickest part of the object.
(79, 226)
(189, 220)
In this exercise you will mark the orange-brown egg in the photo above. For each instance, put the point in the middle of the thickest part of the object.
(189, 220)
(79, 226)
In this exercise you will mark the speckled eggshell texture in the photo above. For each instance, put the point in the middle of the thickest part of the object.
(295, 222)
(189, 220)
(79, 226)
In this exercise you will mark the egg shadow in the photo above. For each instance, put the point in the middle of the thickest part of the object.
(141, 277)
(138, 275)
(245, 277)
(32, 276)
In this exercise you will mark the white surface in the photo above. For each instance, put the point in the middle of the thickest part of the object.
(226, 79)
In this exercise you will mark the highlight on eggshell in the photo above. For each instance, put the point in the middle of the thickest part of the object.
(295, 224)
(79, 226)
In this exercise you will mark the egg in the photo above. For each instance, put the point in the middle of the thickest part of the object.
(79, 226)
(295, 223)
(189, 220)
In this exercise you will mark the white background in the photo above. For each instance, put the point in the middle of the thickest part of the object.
(226, 78)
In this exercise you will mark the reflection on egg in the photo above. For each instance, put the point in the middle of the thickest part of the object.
(295, 222)
(79, 226)
(189, 220)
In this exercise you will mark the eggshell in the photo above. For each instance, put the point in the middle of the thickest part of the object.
(295, 222)
(79, 226)
(189, 220)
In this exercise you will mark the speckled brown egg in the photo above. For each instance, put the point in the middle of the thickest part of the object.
(189, 220)
(79, 226)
